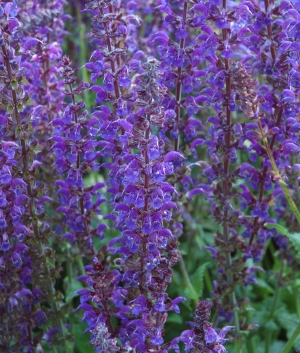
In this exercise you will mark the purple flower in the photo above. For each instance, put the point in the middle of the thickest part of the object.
(74, 142)
(203, 337)
(24, 233)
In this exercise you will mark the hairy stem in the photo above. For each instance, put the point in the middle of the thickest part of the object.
(226, 190)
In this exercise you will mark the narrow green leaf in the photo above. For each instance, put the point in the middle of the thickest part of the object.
(198, 279)
(294, 238)
(280, 228)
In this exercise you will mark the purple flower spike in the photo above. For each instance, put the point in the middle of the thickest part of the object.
(75, 150)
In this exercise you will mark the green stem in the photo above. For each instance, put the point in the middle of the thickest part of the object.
(187, 279)
(250, 345)
(277, 174)
(69, 264)
(268, 342)
(273, 308)
(82, 51)
(80, 265)
(296, 213)
(297, 302)
(237, 346)
(244, 349)
(291, 341)
(290, 200)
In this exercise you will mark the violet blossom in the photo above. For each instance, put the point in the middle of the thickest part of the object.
(74, 145)
(137, 181)
(23, 254)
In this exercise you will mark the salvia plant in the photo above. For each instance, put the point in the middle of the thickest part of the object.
(149, 176)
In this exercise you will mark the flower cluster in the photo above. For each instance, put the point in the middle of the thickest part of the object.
(203, 338)
(41, 55)
(24, 256)
(189, 123)
(74, 145)
(148, 249)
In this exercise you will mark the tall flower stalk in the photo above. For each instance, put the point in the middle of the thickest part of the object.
(194, 138)
(75, 150)
(24, 257)
(226, 161)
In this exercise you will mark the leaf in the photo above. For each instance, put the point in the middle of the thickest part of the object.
(249, 308)
(293, 237)
(198, 279)
(187, 303)
(30, 102)
(82, 339)
(176, 278)
(71, 288)
(295, 240)
(50, 262)
(280, 228)
(189, 293)
(271, 326)
(289, 322)
(277, 347)
(175, 318)
(24, 81)
(263, 284)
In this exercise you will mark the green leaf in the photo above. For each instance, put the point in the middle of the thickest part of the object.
(82, 339)
(24, 81)
(50, 262)
(280, 228)
(71, 288)
(187, 303)
(294, 238)
(263, 284)
(277, 347)
(9, 108)
(30, 102)
(271, 326)
(249, 308)
(175, 318)
(14, 83)
(289, 322)
(198, 279)
(176, 278)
